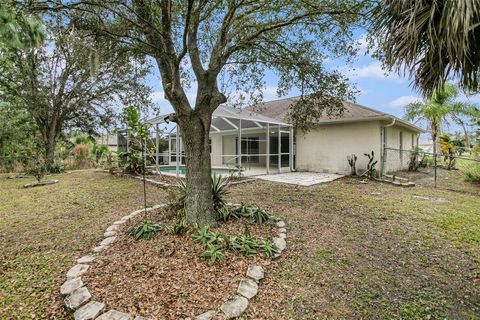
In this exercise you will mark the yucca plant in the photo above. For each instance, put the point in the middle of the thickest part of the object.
(178, 226)
(219, 191)
(225, 213)
(258, 215)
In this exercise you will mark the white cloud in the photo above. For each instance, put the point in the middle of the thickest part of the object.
(373, 70)
(403, 101)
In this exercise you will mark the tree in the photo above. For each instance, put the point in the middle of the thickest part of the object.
(432, 40)
(437, 110)
(69, 83)
(18, 30)
(219, 44)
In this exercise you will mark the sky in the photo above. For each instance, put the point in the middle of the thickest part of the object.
(379, 90)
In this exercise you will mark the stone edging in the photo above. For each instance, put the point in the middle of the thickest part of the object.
(77, 296)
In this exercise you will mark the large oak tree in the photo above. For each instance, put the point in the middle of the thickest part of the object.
(69, 82)
(221, 44)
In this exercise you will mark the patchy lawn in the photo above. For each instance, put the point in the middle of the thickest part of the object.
(371, 251)
(43, 230)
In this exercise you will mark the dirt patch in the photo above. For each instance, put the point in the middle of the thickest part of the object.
(166, 278)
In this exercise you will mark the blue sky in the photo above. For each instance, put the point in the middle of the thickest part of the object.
(389, 93)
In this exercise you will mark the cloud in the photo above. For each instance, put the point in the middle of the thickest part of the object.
(403, 101)
(372, 70)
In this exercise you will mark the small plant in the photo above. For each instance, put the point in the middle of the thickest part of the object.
(258, 215)
(268, 247)
(243, 210)
(415, 160)
(236, 172)
(214, 253)
(225, 213)
(203, 235)
(244, 243)
(371, 171)
(179, 226)
(146, 230)
(219, 191)
(352, 161)
(471, 171)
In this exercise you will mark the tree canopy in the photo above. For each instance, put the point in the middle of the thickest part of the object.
(69, 82)
(432, 40)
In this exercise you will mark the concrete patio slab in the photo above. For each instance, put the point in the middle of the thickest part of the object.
(301, 178)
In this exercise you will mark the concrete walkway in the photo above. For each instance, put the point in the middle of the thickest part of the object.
(301, 178)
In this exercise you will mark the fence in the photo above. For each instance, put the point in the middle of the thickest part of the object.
(455, 172)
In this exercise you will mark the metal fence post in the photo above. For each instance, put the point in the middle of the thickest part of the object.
(435, 170)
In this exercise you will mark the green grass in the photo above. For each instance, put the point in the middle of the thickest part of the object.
(44, 229)
(353, 253)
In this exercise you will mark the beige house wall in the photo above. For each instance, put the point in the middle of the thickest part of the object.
(402, 140)
(325, 149)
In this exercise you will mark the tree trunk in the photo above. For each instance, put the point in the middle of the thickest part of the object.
(434, 137)
(195, 131)
(50, 143)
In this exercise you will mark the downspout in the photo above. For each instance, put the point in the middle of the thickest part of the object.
(383, 133)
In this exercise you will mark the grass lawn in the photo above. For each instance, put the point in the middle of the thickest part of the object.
(43, 230)
(371, 251)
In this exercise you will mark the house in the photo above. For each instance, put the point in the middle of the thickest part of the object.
(357, 131)
(261, 140)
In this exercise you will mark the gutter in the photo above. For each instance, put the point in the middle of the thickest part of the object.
(383, 139)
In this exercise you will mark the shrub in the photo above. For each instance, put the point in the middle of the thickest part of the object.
(146, 230)
(37, 168)
(80, 155)
(256, 215)
(471, 171)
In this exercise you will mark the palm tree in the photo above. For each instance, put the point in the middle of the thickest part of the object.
(438, 110)
(430, 39)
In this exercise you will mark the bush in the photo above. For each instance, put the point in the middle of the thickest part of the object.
(471, 171)
(37, 168)
(80, 155)
(146, 230)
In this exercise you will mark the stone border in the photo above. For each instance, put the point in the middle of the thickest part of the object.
(78, 298)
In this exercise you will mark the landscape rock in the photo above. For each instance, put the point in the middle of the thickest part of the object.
(86, 259)
(107, 241)
(89, 311)
(280, 243)
(141, 318)
(113, 227)
(234, 307)
(99, 249)
(119, 222)
(247, 288)
(110, 234)
(282, 235)
(281, 224)
(255, 272)
(77, 270)
(77, 298)
(70, 285)
(206, 315)
(114, 315)
(282, 230)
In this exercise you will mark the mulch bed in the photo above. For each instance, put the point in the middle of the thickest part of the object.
(162, 178)
(165, 278)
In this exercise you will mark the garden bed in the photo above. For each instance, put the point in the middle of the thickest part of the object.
(166, 277)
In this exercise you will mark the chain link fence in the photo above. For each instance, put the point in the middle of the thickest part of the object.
(454, 172)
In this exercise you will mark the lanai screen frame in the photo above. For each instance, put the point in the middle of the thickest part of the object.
(231, 120)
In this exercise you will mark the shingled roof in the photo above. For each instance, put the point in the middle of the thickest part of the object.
(279, 110)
